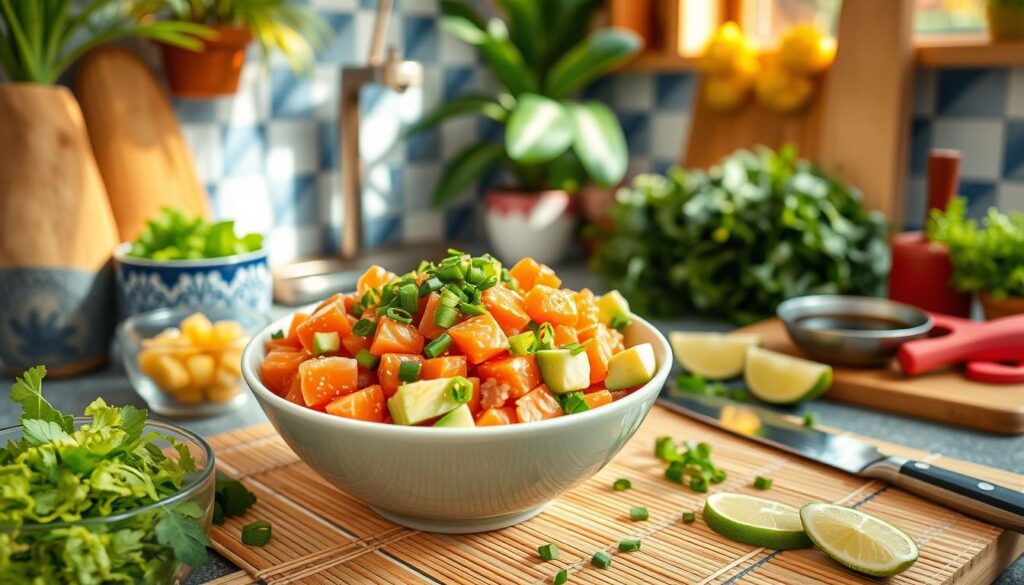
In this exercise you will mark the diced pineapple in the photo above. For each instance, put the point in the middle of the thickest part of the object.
(170, 374)
(197, 328)
(169, 337)
(220, 393)
(189, 395)
(147, 360)
(231, 360)
(226, 332)
(201, 368)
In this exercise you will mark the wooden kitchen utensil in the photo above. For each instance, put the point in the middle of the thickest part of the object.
(943, 395)
(57, 234)
(142, 155)
(322, 535)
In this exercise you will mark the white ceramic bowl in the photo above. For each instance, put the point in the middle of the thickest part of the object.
(459, 480)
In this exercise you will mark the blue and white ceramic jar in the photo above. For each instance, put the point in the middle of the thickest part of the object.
(241, 281)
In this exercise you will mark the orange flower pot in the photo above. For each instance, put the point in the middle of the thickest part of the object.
(212, 72)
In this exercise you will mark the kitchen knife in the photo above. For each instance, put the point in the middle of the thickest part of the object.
(982, 499)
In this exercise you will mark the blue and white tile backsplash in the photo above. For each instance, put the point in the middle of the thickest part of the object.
(269, 158)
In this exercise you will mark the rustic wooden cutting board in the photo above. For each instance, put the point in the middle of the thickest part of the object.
(945, 396)
(322, 535)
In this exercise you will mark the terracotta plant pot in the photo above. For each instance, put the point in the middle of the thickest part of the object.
(57, 234)
(535, 224)
(212, 72)
(1005, 22)
(1004, 307)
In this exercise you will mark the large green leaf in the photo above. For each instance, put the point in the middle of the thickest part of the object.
(538, 130)
(600, 143)
(463, 10)
(568, 22)
(467, 167)
(526, 27)
(465, 104)
(600, 53)
(497, 49)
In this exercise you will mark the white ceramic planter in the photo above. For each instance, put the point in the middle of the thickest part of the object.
(538, 225)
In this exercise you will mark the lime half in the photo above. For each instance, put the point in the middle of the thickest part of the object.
(715, 356)
(859, 540)
(755, 521)
(782, 379)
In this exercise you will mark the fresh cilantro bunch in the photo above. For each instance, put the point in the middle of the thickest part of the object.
(986, 257)
(56, 478)
(174, 236)
(761, 227)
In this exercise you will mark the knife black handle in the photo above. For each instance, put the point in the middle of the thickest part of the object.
(984, 500)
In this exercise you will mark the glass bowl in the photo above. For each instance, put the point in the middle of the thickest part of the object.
(181, 379)
(47, 541)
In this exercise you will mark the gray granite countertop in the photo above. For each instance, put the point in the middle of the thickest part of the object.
(72, 395)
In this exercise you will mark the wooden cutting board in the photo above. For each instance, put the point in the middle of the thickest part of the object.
(322, 535)
(945, 396)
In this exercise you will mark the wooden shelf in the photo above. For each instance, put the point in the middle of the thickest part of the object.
(658, 61)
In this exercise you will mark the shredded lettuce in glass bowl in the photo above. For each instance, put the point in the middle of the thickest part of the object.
(101, 499)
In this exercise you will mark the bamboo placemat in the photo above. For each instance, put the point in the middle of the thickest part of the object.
(322, 535)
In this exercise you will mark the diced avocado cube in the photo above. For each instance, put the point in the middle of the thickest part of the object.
(461, 417)
(613, 308)
(562, 371)
(416, 402)
(326, 342)
(632, 367)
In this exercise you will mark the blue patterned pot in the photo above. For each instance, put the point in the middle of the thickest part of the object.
(61, 317)
(230, 282)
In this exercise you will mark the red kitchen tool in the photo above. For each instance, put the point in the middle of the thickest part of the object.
(921, 270)
(984, 346)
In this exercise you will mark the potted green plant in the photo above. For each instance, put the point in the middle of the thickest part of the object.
(1005, 19)
(56, 225)
(987, 256)
(552, 145)
(277, 25)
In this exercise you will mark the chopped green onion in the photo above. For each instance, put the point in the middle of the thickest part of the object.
(546, 336)
(524, 343)
(450, 271)
(279, 334)
(472, 294)
(388, 293)
(548, 552)
(573, 403)
(665, 449)
(601, 560)
(472, 309)
(326, 342)
(408, 298)
(367, 360)
(618, 323)
(454, 252)
(689, 517)
(622, 485)
(409, 372)
(699, 485)
(718, 476)
(369, 298)
(461, 389)
(449, 298)
(810, 419)
(357, 310)
(487, 283)
(256, 533)
(423, 266)
(445, 317)
(474, 275)
(398, 315)
(763, 483)
(437, 346)
(364, 327)
(430, 285)
(638, 513)
(674, 473)
(629, 545)
(575, 348)
(560, 577)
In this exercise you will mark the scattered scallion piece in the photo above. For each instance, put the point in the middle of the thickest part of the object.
(409, 298)
(699, 485)
(408, 372)
(279, 334)
(810, 420)
(367, 360)
(364, 327)
(472, 309)
(691, 466)
(399, 315)
(546, 336)
(256, 533)
(638, 513)
(629, 545)
(548, 552)
(601, 560)
(689, 517)
(445, 317)
(573, 402)
(622, 485)
(437, 346)
(763, 483)
(560, 577)
(665, 449)
(461, 389)
(575, 348)
(524, 343)
(430, 285)
(618, 323)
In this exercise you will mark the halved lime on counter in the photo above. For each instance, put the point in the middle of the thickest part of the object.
(778, 378)
(715, 356)
(860, 541)
(755, 521)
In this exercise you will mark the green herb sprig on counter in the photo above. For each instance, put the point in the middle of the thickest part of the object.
(735, 241)
(59, 474)
(175, 236)
(690, 465)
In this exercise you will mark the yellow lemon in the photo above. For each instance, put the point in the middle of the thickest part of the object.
(725, 93)
(726, 50)
(783, 91)
(805, 49)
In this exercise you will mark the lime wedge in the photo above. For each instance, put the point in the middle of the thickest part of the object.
(715, 356)
(782, 379)
(755, 521)
(859, 540)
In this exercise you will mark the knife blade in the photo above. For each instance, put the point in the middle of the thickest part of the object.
(982, 499)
